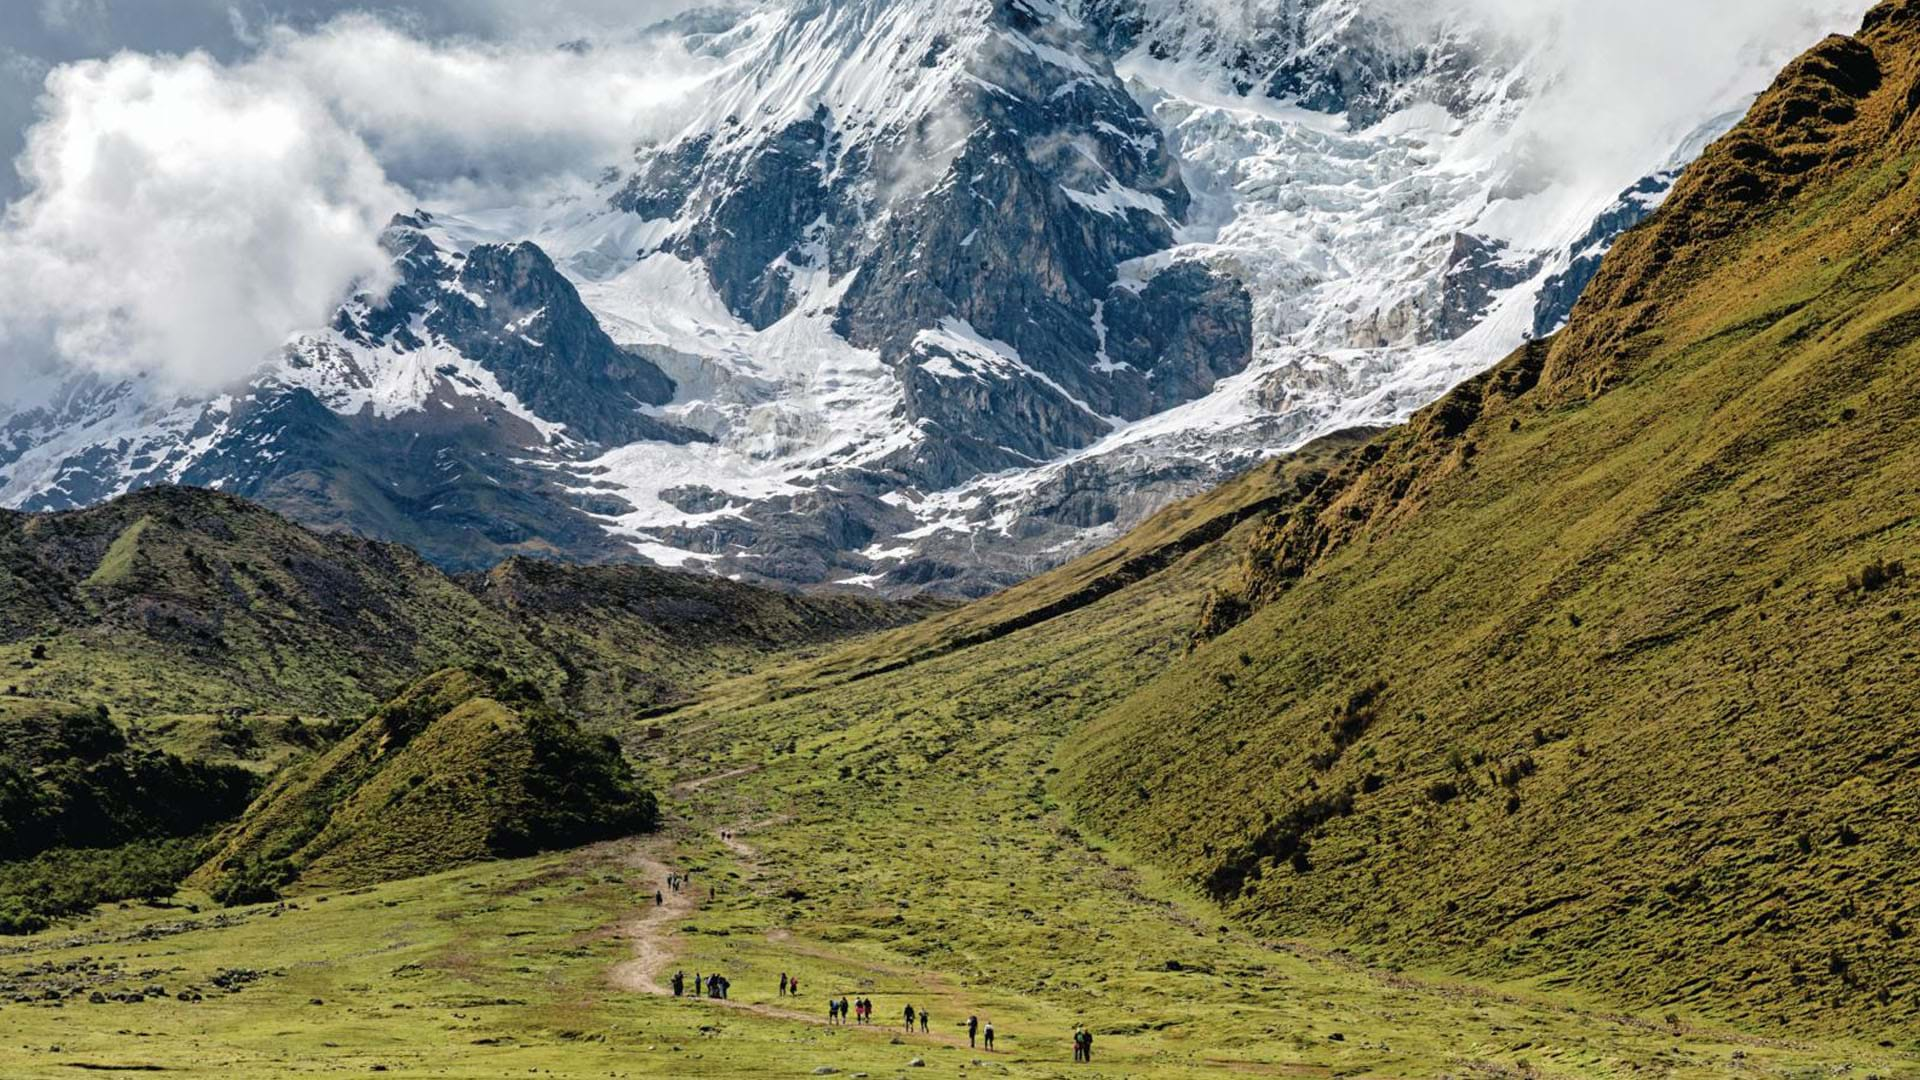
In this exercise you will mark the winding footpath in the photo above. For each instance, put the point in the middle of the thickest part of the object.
(650, 932)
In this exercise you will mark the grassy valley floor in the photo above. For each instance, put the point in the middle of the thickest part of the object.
(891, 836)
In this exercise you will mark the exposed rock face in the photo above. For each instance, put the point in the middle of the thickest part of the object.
(1476, 270)
(1560, 291)
(1190, 327)
(508, 309)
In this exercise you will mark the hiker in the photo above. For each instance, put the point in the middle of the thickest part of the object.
(1086, 1045)
(973, 1031)
(924, 1019)
(679, 983)
(658, 899)
(699, 985)
(1077, 1036)
(833, 1011)
(794, 986)
(909, 1019)
(988, 1032)
(783, 984)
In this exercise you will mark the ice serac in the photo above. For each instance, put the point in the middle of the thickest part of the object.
(919, 295)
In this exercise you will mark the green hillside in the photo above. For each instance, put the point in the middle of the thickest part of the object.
(188, 602)
(183, 601)
(463, 767)
(633, 638)
(69, 777)
(1603, 669)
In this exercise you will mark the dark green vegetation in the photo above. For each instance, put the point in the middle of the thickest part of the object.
(464, 766)
(89, 816)
(64, 882)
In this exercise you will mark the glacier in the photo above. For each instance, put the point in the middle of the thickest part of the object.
(921, 295)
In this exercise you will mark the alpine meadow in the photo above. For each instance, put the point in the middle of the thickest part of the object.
(1028, 538)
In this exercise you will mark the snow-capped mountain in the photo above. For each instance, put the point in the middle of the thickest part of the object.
(923, 294)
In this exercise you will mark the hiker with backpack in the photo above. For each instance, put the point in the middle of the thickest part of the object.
(909, 1019)
(988, 1032)
(973, 1031)
(925, 1020)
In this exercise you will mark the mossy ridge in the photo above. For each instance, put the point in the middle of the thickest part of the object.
(466, 766)
(1642, 721)
(175, 601)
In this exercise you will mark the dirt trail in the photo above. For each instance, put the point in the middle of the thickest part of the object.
(685, 787)
(651, 929)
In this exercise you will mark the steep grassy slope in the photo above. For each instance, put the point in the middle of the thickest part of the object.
(1604, 668)
(460, 768)
(179, 601)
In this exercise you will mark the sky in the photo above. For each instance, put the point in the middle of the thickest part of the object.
(196, 179)
(36, 35)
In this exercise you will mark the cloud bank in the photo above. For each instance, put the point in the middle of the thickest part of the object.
(183, 216)
(1618, 83)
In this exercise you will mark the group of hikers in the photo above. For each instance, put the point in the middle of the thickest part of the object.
(860, 1011)
(841, 1010)
(838, 1009)
(712, 986)
(979, 1036)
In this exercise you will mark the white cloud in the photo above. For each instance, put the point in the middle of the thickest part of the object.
(184, 216)
(507, 113)
(182, 220)
(1619, 83)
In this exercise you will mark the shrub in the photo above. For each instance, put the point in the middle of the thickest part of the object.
(254, 882)
(1443, 791)
(1876, 575)
(72, 881)
(17, 918)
